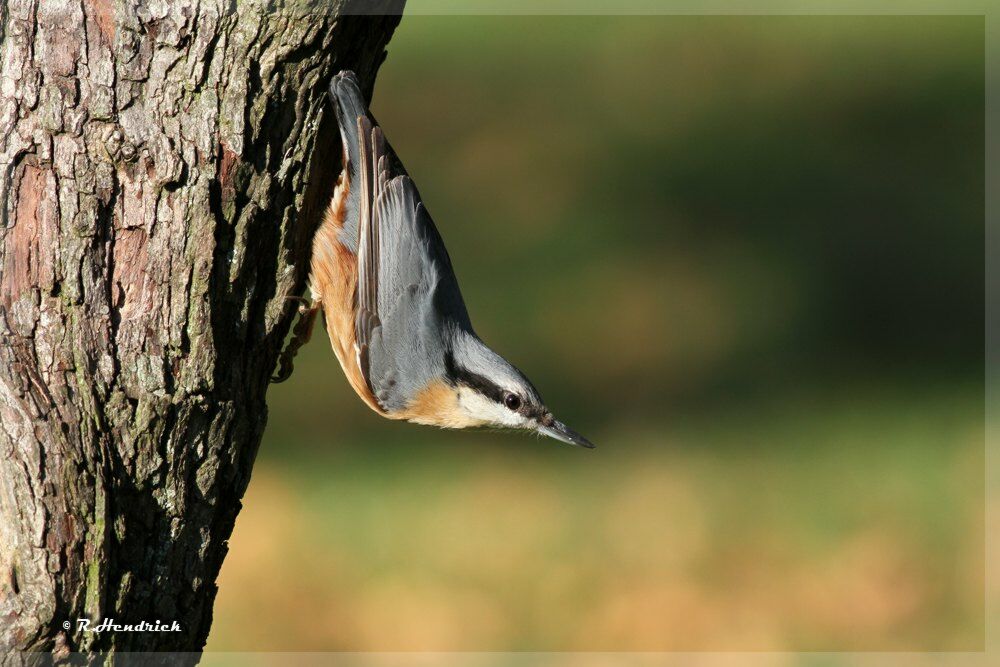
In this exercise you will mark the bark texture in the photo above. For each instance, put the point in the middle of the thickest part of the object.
(163, 164)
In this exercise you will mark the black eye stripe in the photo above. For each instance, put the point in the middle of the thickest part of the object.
(460, 375)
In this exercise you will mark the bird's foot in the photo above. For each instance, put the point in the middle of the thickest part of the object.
(301, 333)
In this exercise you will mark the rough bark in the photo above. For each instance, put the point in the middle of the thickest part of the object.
(162, 166)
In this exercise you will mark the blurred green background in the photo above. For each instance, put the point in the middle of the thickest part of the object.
(744, 255)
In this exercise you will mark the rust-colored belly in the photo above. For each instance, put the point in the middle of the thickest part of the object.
(333, 283)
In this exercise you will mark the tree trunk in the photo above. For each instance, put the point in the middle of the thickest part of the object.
(163, 165)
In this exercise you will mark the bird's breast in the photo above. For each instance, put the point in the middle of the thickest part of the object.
(333, 282)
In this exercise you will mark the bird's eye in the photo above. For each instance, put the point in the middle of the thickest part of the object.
(512, 401)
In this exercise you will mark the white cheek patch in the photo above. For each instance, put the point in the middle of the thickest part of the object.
(480, 408)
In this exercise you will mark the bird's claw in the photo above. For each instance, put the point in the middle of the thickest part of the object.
(301, 334)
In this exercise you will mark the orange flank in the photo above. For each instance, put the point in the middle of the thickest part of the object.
(333, 284)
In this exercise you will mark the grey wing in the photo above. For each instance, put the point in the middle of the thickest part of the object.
(407, 294)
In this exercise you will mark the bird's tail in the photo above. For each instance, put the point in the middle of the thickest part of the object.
(350, 105)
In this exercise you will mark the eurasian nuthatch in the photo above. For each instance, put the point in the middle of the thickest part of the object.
(396, 318)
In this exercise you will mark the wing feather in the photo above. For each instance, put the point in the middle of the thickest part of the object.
(406, 289)
(366, 317)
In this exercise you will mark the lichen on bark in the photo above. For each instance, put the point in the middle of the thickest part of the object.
(162, 167)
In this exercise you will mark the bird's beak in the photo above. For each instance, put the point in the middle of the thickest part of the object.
(556, 429)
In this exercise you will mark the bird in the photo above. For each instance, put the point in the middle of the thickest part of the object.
(394, 313)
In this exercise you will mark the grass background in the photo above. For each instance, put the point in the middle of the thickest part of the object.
(744, 255)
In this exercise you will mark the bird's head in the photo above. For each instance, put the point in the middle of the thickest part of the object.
(490, 391)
